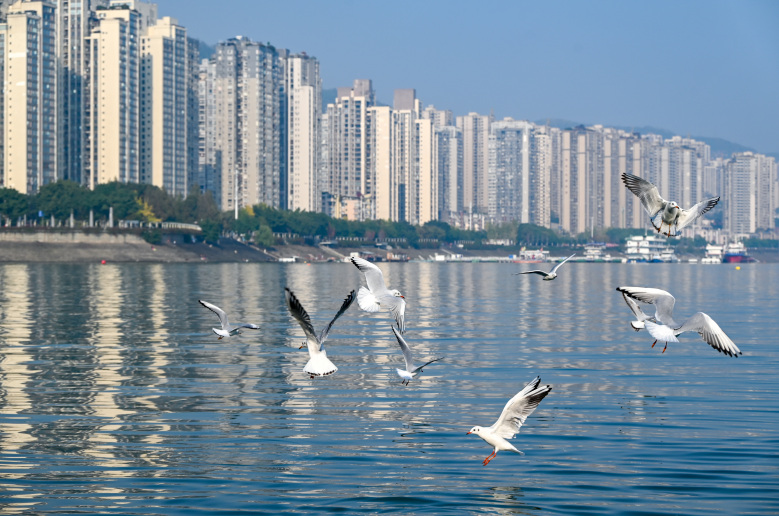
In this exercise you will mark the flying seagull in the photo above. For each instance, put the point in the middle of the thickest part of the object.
(228, 330)
(640, 315)
(318, 364)
(666, 329)
(512, 418)
(662, 212)
(548, 276)
(411, 371)
(370, 299)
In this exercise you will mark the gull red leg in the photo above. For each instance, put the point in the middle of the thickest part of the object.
(653, 344)
(666, 346)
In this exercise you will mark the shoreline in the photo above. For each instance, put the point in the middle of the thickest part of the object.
(118, 247)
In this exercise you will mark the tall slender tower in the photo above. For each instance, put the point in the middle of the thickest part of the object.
(302, 120)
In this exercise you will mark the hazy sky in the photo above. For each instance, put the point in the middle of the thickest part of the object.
(701, 67)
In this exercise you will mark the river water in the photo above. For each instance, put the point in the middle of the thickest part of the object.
(115, 397)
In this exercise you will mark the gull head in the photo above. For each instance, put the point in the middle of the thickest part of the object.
(303, 345)
(673, 205)
(475, 430)
(396, 293)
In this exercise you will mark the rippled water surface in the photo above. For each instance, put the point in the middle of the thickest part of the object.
(115, 396)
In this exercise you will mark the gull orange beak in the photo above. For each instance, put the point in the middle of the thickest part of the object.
(404, 297)
(468, 433)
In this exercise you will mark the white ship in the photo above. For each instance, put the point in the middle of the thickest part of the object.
(713, 254)
(649, 249)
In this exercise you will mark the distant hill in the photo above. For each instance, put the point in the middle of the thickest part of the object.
(719, 146)
(328, 97)
(206, 50)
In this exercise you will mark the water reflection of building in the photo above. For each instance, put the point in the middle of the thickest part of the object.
(15, 329)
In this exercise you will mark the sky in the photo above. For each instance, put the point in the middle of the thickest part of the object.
(707, 68)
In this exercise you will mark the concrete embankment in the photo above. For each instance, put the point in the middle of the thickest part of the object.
(76, 246)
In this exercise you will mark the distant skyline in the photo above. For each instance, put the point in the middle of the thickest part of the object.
(703, 68)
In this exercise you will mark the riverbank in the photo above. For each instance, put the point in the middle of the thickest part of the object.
(75, 246)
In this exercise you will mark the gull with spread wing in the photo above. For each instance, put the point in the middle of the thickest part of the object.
(411, 370)
(512, 418)
(318, 364)
(228, 330)
(662, 212)
(640, 315)
(372, 298)
(548, 276)
(665, 329)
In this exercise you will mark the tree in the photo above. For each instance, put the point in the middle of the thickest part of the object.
(211, 230)
(61, 198)
(145, 213)
(13, 204)
(264, 237)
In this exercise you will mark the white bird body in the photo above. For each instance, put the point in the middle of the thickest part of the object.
(377, 294)
(227, 329)
(662, 212)
(318, 363)
(514, 415)
(663, 328)
(548, 276)
(411, 370)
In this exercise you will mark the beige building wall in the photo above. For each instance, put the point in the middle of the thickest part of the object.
(164, 103)
(385, 194)
(112, 147)
(427, 172)
(30, 99)
(304, 92)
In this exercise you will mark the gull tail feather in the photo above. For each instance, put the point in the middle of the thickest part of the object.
(320, 365)
(367, 301)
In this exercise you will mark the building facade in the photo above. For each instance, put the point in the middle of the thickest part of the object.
(30, 106)
(247, 123)
(111, 96)
(303, 116)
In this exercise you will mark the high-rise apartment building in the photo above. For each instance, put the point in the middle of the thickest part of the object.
(247, 123)
(30, 96)
(404, 167)
(111, 98)
(209, 158)
(509, 171)
(3, 33)
(449, 164)
(348, 155)
(476, 132)
(303, 103)
(426, 173)
(384, 193)
(440, 117)
(520, 172)
(74, 19)
(168, 93)
(750, 180)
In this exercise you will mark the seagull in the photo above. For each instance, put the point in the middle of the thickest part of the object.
(662, 212)
(511, 419)
(640, 315)
(228, 330)
(318, 364)
(548, 276)
(410, 372)
(370, 299)
(666, 329)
